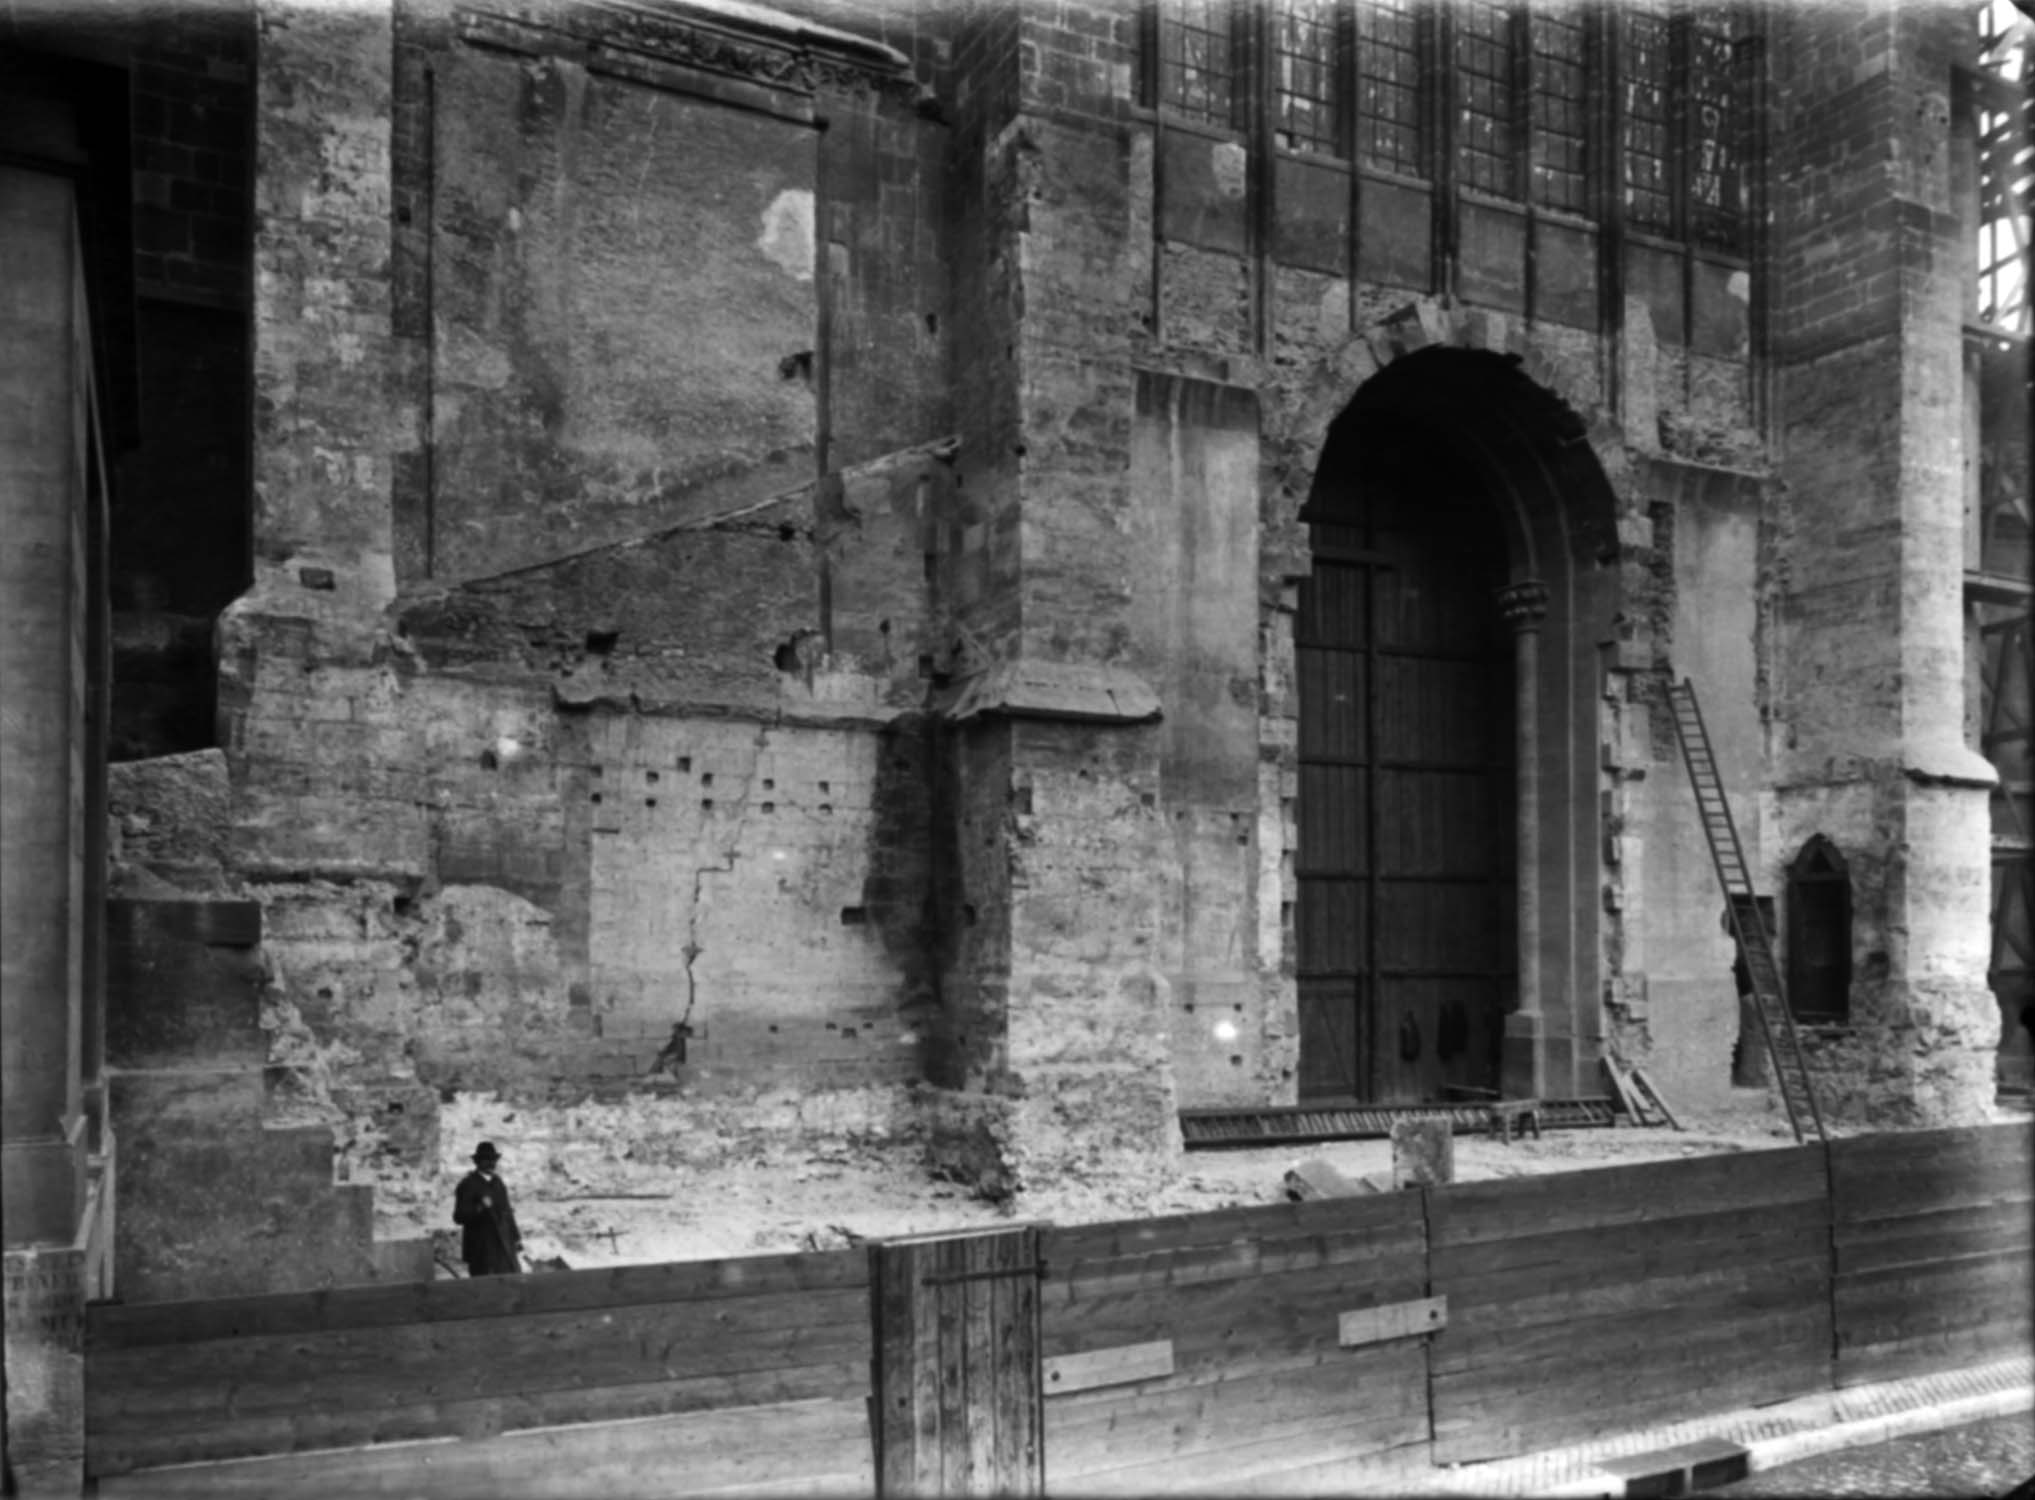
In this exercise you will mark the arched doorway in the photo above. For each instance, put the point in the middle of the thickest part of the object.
(1406, 944)
(1462, 585)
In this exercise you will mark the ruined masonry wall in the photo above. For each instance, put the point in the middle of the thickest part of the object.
(628, 813)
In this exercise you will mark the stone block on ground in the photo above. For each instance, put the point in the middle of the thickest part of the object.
(1423, 1153)
(1316, 1178)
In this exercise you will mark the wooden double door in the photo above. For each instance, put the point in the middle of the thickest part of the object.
(1405, 866)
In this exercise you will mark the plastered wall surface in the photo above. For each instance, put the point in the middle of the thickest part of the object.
(581, 392)
(1687, 1000)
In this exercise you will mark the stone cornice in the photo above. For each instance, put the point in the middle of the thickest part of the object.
(748, 44)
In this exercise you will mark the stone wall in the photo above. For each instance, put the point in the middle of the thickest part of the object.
(666, 427)
(1865, 694)
(180, 535)
(574, 716)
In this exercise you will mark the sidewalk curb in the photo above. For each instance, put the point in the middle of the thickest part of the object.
(1772, 1453)
(1670, 1458)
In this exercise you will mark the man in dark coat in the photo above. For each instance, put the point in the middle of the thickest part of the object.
(491, 1242)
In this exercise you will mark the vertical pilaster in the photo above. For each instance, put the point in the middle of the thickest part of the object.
(1870, 260)
(47, 439)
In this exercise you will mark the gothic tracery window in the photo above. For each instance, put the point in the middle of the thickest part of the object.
(1197, 61)
(1307, 76)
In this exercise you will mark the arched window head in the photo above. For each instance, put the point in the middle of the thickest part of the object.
(1819, 934)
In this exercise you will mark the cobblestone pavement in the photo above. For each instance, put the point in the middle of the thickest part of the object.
(1978, 1462)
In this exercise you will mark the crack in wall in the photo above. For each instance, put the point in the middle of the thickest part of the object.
(673, 1054)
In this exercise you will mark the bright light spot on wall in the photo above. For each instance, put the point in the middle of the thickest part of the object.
(508, 748)
(1225, 1031)
(779, 854)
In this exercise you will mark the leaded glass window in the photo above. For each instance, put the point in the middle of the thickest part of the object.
(1485, 104)
(1648, 144)
(1305, 76)
(1388, 86)
(1197, 61)
(1560, 118)
(1716, 215)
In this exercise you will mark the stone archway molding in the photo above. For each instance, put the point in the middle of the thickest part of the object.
(1330, 383)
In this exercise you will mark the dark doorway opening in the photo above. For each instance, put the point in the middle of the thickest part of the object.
(1819, 934)
(1406, 867)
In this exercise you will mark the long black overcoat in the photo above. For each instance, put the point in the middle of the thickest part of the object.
(490, 1239)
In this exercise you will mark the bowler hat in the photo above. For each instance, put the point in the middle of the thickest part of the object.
(486, 1151)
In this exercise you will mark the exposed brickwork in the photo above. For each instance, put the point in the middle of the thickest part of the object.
(1078, 58)
(193, 94)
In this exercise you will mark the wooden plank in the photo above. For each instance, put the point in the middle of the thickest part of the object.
(1606, 1244)
(1477, 1418)
(1345, 1380)
(117, 1441)
(1775, 1319)
(1231, 1320)
(1269, 1461)
(1235, 1261)
(1471, 1434)
(1567, 1302)
(1948, 1278)
(980, 1258)
(1875, 1202)
(1020, 1396)
(2014, 1136)
(1354, 1374)
(1257, 1222)
(1929, 1353)
(1691, 1355)
(1924, 1238)
(1663, 1260)
(1465, 1213)
(1884, 1176)
(1895, 1314)
(1893, 1324)
(1394, 1320)
(1393, 1471)
(388, 1367)
(892, 1394)
(1067, 1373)
(114, 1326)
(1094, 1436)
(805, 1447)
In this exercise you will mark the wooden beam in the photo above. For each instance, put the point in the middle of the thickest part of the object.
(1395, 1320)
(1119, 1365)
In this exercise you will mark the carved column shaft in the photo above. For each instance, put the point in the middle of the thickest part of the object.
(1524, 606)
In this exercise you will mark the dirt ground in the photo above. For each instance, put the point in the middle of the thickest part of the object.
(841, 1198)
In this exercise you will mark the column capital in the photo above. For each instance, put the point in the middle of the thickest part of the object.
(1523, 604)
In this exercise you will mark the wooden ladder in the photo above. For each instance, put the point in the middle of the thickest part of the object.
(1747, 922)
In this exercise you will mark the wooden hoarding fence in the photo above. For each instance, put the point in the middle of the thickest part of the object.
(517, 1385)
(1281, 1347)
(1597, 1302)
